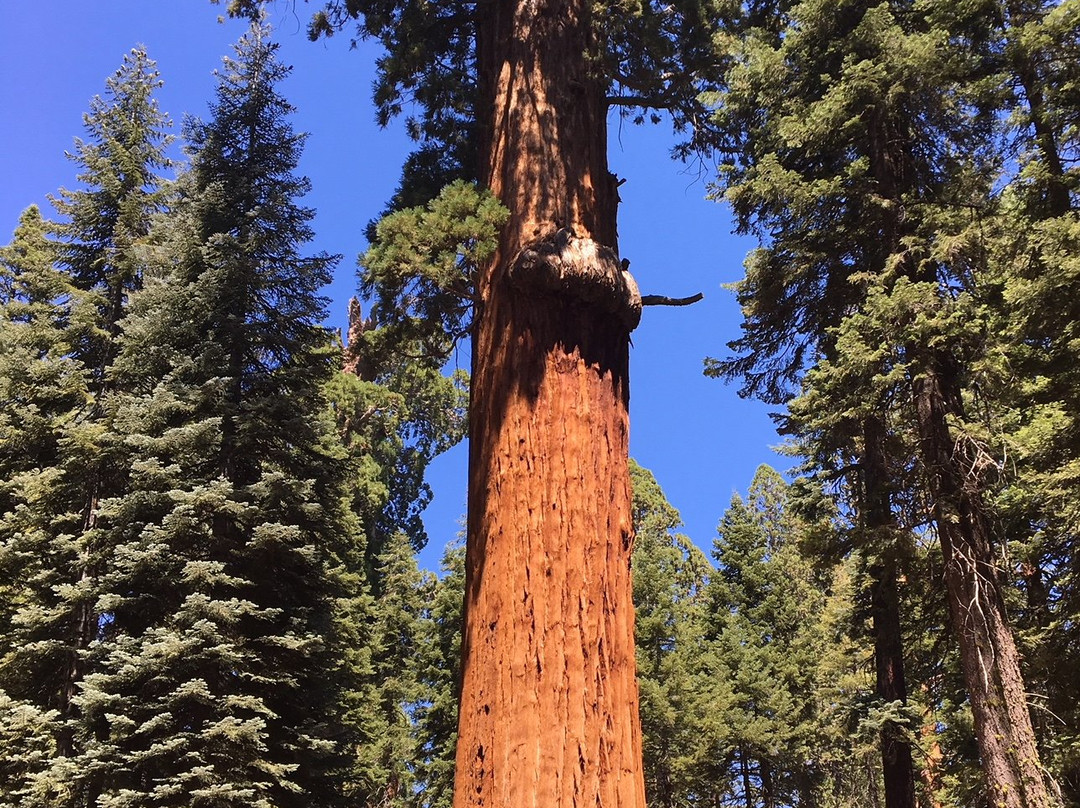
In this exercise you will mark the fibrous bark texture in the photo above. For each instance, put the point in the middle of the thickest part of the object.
(988, 654)
(549, 706)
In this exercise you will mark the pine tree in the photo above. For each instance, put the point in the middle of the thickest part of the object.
(222, 678)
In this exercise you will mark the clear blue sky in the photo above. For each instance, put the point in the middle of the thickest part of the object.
(702, 441)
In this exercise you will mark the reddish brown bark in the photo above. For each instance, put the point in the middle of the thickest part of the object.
(352, 358)
(549, 707)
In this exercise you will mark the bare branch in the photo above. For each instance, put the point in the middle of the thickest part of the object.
(664, 300)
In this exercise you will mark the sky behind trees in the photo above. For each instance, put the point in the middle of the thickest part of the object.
(698, 437)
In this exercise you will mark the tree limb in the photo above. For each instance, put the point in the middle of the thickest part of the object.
(664, 300)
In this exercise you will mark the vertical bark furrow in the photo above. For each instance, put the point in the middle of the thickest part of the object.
(549, 581)
(549, 692)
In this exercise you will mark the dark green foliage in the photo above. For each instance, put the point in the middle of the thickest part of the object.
(385, 762)
(421, 270)
(219, 680)
(655, 59)
(766, 606)
(670, 574)
(62, 305)
(877, 168)
(1031, 372)
(756, 687)
(392, 428)
(440, 681)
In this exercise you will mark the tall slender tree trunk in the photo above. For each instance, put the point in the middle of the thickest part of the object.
(549, 706)
(768, 795)
(988, 655)
(896, 761)
(933, 755)
(744, 770)
(990, 662)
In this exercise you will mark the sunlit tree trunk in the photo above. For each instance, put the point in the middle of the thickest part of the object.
(988, 654)
(549, 707)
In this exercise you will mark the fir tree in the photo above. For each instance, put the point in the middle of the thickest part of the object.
(440, 680)
(105, 222)
(43, 317)
(766, 607)
(222, 679)
(386, 763)
(71, 319)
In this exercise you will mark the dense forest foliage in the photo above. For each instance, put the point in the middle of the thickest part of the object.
(210, 507)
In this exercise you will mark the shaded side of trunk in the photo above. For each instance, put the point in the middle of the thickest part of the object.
(988, 655)
(744, 770)
(549, 706)
(896, 760)
(768, 794)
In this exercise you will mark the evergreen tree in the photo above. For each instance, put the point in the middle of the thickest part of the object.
(1030, 372)
(105, 222)
(440, 680)
(766, 604)
(528, 90)
(43, 317)
(395, 412)
(670, 575)
(865, 144)
(387, 762)
(63, 327)
(222, 679)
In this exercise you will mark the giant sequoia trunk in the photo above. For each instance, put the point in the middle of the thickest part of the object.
(549, 707)
(988, 655)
